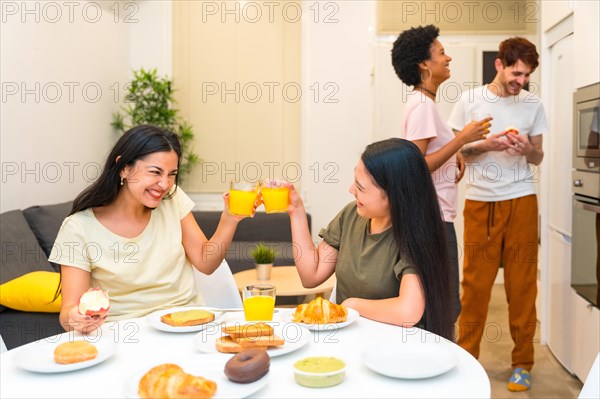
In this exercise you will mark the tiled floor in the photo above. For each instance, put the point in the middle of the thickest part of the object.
(549, 378)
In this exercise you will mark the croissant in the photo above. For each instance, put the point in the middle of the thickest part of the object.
(170, 381)
(320, 311)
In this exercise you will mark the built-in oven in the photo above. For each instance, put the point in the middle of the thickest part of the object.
(585, 249)
(586, 121)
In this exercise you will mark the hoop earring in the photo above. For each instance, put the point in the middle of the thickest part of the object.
(122, 181)
(430, 76)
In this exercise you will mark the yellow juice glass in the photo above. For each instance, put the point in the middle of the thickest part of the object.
(275, 196)
(242, 196)
(259, 302)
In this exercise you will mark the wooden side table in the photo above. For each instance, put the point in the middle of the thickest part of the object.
(286, 281)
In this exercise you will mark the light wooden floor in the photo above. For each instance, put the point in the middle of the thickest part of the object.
(549, 378)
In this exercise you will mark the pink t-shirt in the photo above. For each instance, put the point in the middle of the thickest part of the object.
(422, 120)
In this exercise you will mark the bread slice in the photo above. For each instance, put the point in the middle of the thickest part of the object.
(260, 342)
(226, 344)
(191, 317)
(248, 330)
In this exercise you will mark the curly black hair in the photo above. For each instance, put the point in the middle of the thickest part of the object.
(412, 47)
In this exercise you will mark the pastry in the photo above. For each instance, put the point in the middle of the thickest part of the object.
(170, 381)
(94, 302)
(74, 352)
(320, 311)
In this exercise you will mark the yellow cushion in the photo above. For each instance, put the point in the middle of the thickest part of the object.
(32, 292)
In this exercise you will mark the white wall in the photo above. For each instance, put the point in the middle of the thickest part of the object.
(337, 49)
(587, 42)
(63, 69)
(151, 36)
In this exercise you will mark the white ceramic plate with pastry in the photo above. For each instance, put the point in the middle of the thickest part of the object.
(294, 335)
(418, 359)
(155, 322)
(39, 356)
(207, 366)
(353, 315)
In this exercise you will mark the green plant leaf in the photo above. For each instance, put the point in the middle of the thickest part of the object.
(262, 254)
(149, 100)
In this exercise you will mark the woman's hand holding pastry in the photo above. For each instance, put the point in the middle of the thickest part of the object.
(90, 312)
(83, 323)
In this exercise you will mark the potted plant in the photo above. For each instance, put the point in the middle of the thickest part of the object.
(150, 100)
(263, 258)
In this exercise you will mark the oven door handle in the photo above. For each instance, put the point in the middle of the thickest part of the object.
(587, 206)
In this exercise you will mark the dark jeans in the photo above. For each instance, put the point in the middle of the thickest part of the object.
(453, 258)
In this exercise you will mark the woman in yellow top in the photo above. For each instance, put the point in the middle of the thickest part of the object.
(132, 233)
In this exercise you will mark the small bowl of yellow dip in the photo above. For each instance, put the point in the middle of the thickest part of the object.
(319, 372)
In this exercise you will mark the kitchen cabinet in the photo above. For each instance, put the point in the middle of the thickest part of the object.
(586, 343)
(559, 279)
(553, 12)
(556, 197)
(587, 43)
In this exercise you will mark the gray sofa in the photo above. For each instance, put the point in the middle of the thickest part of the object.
(27, 237)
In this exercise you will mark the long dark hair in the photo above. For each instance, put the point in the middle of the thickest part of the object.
(399, 168)
(136, 143)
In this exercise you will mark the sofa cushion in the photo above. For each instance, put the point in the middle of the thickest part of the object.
(262, 227)
(20, 250)
(32, 292)
(45, 221)
(19, 328)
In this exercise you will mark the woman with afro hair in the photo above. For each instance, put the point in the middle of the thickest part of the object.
(419, 60)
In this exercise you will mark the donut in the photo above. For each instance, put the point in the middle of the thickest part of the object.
(248, 365)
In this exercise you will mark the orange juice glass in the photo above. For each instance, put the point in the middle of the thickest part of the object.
(259, 302)
(275, 196)
(242, 196)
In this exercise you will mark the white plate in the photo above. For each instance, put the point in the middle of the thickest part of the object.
(154, 320)
(411, 360)
(353, 315)
(208, 366)
(39, 356)
(294, 335)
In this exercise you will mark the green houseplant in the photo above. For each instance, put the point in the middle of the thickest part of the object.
(150, 100)
(263, 258)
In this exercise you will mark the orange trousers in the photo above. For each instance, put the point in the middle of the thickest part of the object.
(503, 232)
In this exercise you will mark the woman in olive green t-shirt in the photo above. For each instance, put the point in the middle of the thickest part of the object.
(388, 247)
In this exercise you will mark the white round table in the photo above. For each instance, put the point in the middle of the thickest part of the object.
(141, 346)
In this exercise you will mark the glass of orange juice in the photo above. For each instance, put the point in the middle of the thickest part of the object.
(242, 196)
(275, 196)
(259, 302)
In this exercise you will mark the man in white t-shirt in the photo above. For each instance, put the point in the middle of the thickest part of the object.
(500, 214)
